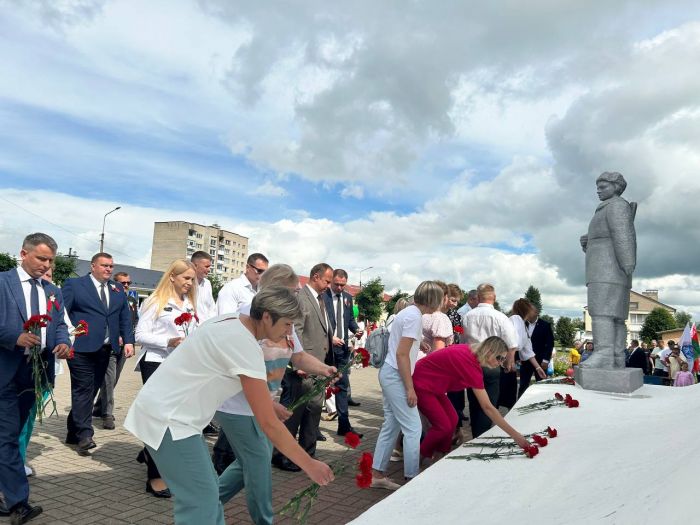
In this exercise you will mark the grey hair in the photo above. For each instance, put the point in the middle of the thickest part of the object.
(33, 240)
(485, 291)
(473, 294)
(400, 305)
(615, 178)
(279, 275)
(430, 295)
(278, 301)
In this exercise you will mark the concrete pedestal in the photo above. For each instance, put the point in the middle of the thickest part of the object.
(619, 380)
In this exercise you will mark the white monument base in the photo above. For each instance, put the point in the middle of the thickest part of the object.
(611, 463)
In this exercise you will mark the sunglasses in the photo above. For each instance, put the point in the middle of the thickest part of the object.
(259, 271)
(125, 283)
(500, 358)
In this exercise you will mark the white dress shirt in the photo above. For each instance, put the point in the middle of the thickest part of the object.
(193, 382)
(316, 295)
(485, 321)
(155, 329)
(464, 310)
(206, 307)
(98, 287)
(25, 279)
(234, 294)
(524, 343)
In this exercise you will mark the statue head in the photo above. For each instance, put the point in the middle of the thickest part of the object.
(610, 183)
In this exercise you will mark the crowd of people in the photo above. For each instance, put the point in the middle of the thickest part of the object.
(216, 366)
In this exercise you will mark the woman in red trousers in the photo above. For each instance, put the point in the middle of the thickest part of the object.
(456, 367)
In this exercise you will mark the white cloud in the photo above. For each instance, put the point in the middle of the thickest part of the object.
(269, 189)
(353, 190)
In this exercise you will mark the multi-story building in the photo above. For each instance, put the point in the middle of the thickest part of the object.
(179, 239)
(641, 305)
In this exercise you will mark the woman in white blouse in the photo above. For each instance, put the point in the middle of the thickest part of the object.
(522, 311)
(159, 336)
(221, 359)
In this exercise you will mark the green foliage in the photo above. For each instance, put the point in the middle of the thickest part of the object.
(371, 299)
(533, 295)
(497, 306)
(64, 268)
(658, 320)
(389, 306)
(216, 284)
(578, 323)
(564, 332)
(682, 319)
(548, 318)
(7, 262)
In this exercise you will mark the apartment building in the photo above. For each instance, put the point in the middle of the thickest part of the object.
(180, 239)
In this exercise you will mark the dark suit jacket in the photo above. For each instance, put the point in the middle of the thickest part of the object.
(639, 359)
(311, 328)
(83, 302)
(348, 322)
(542, 340)
(13, 314)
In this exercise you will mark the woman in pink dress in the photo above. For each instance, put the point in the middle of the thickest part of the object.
(454, 368)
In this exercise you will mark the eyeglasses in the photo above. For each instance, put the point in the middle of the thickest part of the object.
(125, 283)
(500, 358)
(259, 271)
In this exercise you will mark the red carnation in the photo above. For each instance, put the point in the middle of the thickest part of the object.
(183, 318)
(364, 354)
(458, 330)
(552, 432)
(568, 398)
(366, 463)
(573, 403)
(531, 451)
(329, 392)
(71, 354)
(559, 396)
(540, 440)
(364, 480)
(352, 440)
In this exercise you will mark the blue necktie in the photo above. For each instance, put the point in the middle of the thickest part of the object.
(34, 297)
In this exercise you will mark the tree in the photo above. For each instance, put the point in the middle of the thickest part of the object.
(497, 306)
(658, 320)
(64, 268)
(370, 300)
(216, 284)
(548, 318)
(682, 319)
(533, 295)
(391, 303)
(564, 331)
(578, 323)
(7, 262)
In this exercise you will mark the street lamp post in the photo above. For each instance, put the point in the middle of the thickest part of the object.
(102, 236)
(364, 270)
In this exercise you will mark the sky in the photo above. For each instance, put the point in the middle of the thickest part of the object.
(428, 140)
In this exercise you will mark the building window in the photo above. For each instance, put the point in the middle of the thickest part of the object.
(228, 243)
(199, 236)
(212, 252)
(199, 245)
(634, 306)
(221, 257)
(191, 232)
(219, 266)
(212, 242)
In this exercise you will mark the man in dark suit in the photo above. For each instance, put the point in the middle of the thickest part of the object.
(314, 333)
(103, 304)
(23, 294)
(542, 338)
(339, 307)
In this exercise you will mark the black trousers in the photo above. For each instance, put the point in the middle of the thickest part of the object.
(458, 402)
(87, 372)
(508, 389)
(305, 419)
(147, 369)
(526, 373)
(478, 419)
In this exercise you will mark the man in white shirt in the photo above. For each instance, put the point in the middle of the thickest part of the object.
(206, 308)
(660, 356)
(242, 290)
(472, 301)
(480, 323)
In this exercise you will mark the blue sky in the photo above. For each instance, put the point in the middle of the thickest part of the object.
(425, 146)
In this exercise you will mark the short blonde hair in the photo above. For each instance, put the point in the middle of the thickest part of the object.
(400, 305)
(490, 347)
(485, 291)
(429, 294)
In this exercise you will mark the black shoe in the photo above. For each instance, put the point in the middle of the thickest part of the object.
(108, 422)
(84, 445)
(165, 493)
(343, 431)
(141, 458)
(210, 430)
(353, 403)
(320, 437)
(285, 464)
(23, 512)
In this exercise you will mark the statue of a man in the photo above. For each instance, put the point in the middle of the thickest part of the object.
(611, 255)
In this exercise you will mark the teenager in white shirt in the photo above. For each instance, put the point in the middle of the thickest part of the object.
(221, 359)
(398, 395)
(206, 307)
(159, 336)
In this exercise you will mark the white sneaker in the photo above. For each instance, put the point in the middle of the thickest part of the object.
(396, 455)
(384, 483)
(28, 470)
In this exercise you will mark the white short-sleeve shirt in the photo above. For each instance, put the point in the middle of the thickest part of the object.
(485, 321)
(407, 323)
(185, 391)
(524, 343)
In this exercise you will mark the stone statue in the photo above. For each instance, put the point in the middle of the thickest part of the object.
(611, 255)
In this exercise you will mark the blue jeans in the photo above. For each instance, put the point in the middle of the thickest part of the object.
(398, 416)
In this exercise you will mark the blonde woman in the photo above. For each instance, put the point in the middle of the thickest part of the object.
(398, 395)
(455, 368)
(159, 335)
